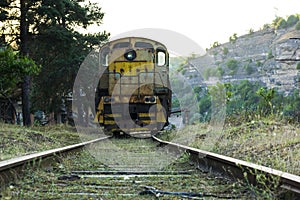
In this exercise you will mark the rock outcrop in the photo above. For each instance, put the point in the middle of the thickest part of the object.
(271, 57)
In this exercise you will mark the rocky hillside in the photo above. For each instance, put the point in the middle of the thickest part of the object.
(268, 56)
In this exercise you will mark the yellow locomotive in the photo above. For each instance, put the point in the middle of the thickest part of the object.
(133, 95)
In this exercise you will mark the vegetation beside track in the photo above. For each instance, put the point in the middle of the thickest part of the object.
(265, 141)
(17, 141)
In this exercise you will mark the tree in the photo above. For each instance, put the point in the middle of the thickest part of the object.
(13, 68)
(292, 20)
(232, 64)
(24, 29)
(47, 33)
(267, 96)
(279, 23)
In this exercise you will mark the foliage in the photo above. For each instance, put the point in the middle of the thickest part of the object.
(233, 38)
(225, 51)
(213, 72)
(266, 106)
(251, 31)
(220, 71)
(292, 20)
(248, 100)
(13, 67)
(232, 64)
(298, 65)
(291, 107)
(215, 44)
(266, 26)
(259, 63)
(281, 23)
(248, 68)
(297, 25)
(270, 54)
(242, 99)
(54, 43)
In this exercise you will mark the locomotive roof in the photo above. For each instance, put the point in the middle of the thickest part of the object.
(138, 42)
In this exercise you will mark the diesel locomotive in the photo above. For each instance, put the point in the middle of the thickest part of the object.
(133, 95)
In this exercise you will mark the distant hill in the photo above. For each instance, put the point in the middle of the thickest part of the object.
(270, 56)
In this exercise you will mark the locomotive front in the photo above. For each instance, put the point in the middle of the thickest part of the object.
(133, 95)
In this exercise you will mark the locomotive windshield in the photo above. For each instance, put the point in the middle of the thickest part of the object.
(144, 45)
(121, 45)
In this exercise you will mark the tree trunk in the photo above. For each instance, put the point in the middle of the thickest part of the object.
(26, 101)
(24, 52)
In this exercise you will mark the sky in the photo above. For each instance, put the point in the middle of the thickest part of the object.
(202, 21)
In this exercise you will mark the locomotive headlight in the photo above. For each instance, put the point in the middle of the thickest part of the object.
(130, 55)
(150, 99)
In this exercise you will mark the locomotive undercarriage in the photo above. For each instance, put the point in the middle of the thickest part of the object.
(132, 118)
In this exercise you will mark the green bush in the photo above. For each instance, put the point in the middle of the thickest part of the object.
(259, 63)
(248, 69)
(279, 23)
(298, 25)
(282, 24)
(292, 20)
(207, 73)
(233, 38)
(225, 51)
(232, 64)
(249, 100)
(220, 70)
(270, 54)
(215, 44)
(266, 26)
(298, 65)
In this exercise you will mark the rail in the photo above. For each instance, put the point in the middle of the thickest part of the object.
(8, 168)
(235, 168)
(207, 161)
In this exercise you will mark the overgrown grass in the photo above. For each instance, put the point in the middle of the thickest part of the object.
(17, 141)
(267, 141)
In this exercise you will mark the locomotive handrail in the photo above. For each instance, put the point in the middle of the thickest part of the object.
(136, 76)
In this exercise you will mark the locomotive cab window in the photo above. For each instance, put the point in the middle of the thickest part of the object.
(161, 58)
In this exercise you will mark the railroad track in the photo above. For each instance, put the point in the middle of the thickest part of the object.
(110, 168)
(10, 168)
